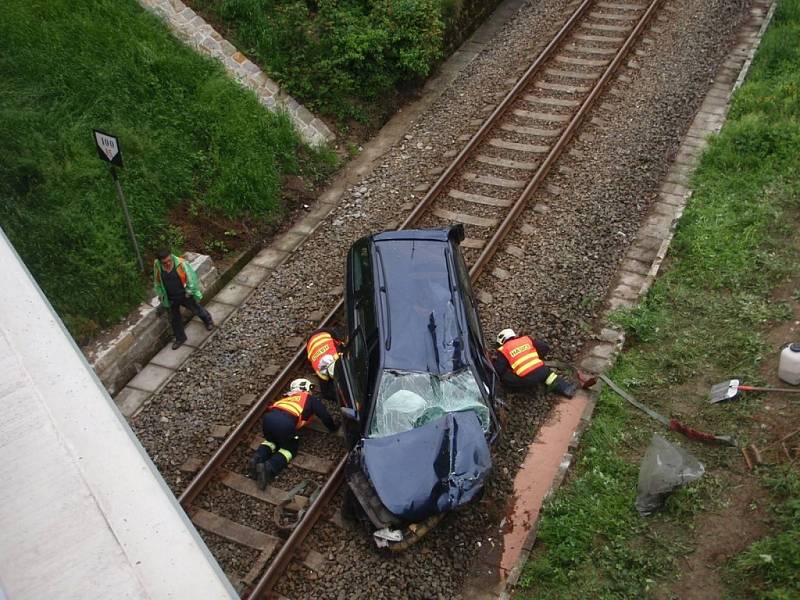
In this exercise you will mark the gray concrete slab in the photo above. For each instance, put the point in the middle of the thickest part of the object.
(172, 359)
(289, 241)
(251, 275)
(269, 258)
(233, 293)
(307, 224)
(150, 378)
(196, 333)
(219, 311)
(129, 400)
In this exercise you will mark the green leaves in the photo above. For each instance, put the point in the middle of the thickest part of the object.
(337, 56)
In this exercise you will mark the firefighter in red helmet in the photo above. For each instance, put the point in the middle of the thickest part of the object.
(520, 364)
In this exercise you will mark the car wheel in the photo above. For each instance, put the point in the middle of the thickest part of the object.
(351, 507)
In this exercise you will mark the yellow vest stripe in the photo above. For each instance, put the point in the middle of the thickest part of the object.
(289, 406)
(318, 341)
(526, 362)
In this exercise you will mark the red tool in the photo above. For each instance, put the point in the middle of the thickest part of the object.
(670, 424)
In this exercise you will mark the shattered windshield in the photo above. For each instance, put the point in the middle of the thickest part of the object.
(407, 400)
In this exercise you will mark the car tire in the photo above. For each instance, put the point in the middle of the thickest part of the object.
(351, 508)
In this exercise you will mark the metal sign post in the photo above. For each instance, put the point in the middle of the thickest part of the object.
(109, 150)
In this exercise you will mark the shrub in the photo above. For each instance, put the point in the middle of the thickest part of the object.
(337, 54)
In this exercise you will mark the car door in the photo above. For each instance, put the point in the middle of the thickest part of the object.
(350, 381)
(361, 357)
(478, 351)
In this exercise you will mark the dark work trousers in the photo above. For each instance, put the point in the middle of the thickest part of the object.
(328, 389)
(531, 380)
(176, 319)
(278, 427)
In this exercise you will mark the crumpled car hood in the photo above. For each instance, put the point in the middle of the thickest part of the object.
(430, 469)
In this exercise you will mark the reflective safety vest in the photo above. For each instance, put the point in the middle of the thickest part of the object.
(318, 347)
(521, 354)
(181, 270)
(293, 403)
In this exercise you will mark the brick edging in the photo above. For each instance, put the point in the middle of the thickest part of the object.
(194, 31)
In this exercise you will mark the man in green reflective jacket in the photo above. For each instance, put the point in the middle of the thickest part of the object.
(176, 284)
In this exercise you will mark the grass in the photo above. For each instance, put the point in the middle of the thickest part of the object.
(703, 319)
(188, 134)
(769, 567)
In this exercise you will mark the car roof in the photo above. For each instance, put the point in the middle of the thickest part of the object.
(422, 309)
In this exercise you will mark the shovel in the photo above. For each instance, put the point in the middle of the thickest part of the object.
(729, 390)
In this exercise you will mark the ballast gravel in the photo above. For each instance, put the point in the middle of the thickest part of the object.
(573, 239)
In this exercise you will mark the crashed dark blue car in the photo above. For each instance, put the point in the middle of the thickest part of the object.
(416, 384)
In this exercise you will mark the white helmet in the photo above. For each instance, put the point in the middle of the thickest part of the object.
(326, 365)
(300, 385)
(504, 336)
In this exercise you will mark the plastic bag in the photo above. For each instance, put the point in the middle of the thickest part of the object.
(664, 469)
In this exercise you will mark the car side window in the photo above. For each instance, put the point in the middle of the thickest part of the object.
(359, 292)
(360, 370)
(363, 289)
(361, 312)
(475, 330)
(357, 269)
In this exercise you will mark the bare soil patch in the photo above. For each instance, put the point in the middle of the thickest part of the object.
(744, 516)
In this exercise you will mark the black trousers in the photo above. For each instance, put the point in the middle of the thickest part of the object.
(327, 389)
(512, 381)
(279, 428)
(177, 320)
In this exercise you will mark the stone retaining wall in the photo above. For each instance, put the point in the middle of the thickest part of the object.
(115, 362)
(193, 30)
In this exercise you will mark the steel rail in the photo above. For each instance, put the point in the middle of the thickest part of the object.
(496, 115)
(278, 565)
(205, 475)
(555, 152)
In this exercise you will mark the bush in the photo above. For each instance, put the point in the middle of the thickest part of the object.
(337, 54)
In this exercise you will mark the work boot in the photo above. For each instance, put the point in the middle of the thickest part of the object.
(564, 387)
(264, 475)
(251, 468)
(177, 344)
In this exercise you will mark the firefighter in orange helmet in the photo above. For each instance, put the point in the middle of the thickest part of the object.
(323, 349)
(520, 364)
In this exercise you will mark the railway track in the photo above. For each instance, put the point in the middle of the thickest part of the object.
(486, 187)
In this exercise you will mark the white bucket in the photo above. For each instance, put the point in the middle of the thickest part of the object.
(789, 364)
